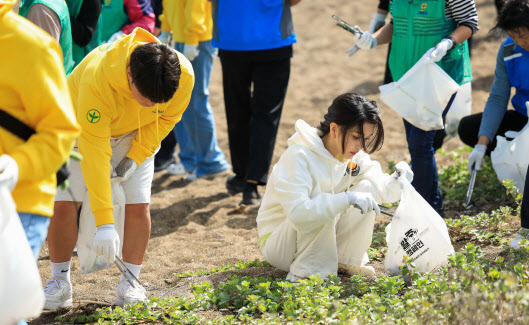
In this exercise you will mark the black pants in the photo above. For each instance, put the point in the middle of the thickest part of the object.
(253, 117)
(469, 128)
(512, 121)
(167, 146)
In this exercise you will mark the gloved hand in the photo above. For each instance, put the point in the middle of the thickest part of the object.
(8, 171)
(165, 37)
(125, 169)
(378, 22)
(363, 201)
(115, 36)
(191, 51)
(439, 51)
(366, 41)
(476, 157)
(403, 170)
(512, 134)
(106, 242)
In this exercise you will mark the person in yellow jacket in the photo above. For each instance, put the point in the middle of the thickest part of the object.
(127, 96)
(36, 94)
(200, 155)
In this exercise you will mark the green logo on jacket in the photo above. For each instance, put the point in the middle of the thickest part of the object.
(93, 116)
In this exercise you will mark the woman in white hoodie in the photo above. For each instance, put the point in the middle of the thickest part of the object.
(319, 207)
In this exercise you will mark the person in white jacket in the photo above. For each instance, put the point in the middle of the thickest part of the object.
(320, 203)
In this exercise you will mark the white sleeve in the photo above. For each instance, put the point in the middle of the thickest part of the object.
(293, 184)
(388, 189)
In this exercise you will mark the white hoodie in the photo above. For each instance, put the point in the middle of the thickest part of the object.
(308, 184)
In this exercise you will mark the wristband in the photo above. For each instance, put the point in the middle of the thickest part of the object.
(454, 43)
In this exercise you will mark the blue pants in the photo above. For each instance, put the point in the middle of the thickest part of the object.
(36, 229)
(423, 165)
(199, 150)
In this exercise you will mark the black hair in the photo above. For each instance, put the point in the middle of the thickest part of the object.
(351, 111)
(513, 15)
(155, 71)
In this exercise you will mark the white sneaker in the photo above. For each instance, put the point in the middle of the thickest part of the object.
(293, 278)
(58, 294)
(176, 169)
(191, 177)
(128, 294)
(353, 270)
(523, 233)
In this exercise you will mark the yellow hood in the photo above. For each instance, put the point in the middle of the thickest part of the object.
(5, 6)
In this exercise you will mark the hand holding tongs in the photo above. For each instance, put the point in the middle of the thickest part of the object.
(125, 271)
(355, 30)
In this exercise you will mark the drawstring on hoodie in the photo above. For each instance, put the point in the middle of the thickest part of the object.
(157, 132)
(139, 127)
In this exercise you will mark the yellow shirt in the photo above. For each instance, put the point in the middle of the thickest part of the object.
(33, 89)
(190, 20)
(105, 108)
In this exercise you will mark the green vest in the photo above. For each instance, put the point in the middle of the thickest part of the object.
(419, 25)
(114, 18)
(78, 53)
(65, 40)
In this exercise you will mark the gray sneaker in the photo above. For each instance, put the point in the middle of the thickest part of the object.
(58, 293)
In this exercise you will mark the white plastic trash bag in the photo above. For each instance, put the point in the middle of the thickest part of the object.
(89, 261)
(460, 108)
(21, 294)
(511, 158)
(418, 231)
(421, 95)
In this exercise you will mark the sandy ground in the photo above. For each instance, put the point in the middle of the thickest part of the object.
(191, 227)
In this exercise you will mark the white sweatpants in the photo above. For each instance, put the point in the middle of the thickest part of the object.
(345, 239)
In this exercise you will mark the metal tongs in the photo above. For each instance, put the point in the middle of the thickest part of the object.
(355, 30)
(385, 210)
(471, 188)
(125, 271)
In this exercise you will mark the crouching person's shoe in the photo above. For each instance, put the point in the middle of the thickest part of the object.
(128, 294)
(354, 270)
(293, 278)
(58, 294)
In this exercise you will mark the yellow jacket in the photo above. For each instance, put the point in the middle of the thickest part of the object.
(106, 108)
(190, 20)
(33, 89)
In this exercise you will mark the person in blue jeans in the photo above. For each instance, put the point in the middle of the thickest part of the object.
(200, 155)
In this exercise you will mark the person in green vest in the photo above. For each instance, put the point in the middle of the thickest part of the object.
(53, 17)
(120, 17)
(86, 27)
(438, 29)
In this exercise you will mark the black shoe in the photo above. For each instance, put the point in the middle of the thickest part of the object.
(438, 139)
(235, 184)
(250, 196)
(162, 164)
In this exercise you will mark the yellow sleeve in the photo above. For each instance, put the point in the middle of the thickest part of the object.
(195, 16)
(163, 18)
(94, 115)
(49, 108)
(152, 134)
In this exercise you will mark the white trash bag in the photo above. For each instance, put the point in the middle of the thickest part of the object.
(511, 158)
(89, 261)
(21, 294)
(421, 95)
(418, 231)
(461, 107)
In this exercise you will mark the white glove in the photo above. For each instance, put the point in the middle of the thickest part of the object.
(165, 37)
(439, 51)
(402, 171)
(512, 134)
(366, 41)
(476, 157)
(191, 51)
(125, 169)
(115, 36)
(106, 242)
(363, 201)
(8, 172)
(378, 22)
